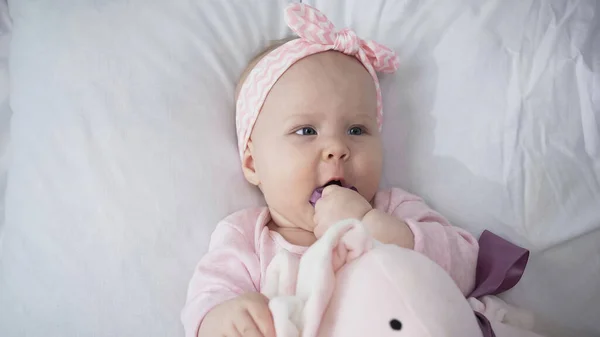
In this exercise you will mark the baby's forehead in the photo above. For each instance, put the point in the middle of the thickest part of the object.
(316, 104)
(327, 86)
(325, 78)
(305, 113)
(328, 62)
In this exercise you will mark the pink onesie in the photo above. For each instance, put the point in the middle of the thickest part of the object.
(242, 246)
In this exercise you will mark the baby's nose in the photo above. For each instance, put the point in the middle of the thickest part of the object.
(336, 150)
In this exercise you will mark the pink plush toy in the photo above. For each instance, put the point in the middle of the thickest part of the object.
(349, 285)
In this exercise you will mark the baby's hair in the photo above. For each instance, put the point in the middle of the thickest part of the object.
(272, 46)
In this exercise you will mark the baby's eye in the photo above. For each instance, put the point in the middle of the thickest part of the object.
(306, 131)
(356, 131)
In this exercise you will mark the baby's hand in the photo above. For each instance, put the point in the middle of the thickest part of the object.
(247, 315)
(338, 203)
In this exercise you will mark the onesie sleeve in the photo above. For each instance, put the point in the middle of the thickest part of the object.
(229, 268)
(454, 249)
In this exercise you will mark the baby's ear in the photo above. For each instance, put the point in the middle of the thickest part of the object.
(248, 165)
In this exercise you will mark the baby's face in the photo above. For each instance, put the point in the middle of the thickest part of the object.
(318, 124)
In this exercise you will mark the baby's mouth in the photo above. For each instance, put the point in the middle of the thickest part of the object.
(318, 192)
(333, 182)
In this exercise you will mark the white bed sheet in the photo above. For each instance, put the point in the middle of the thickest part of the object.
(123, 146)
(5, 112)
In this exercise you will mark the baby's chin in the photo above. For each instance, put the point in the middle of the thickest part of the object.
(298, 217)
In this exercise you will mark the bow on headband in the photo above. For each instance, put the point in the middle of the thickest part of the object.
(317, 34)
(312, 25)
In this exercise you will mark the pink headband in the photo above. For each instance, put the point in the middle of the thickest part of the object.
(317, 34)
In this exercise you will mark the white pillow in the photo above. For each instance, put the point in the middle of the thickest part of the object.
(124, 157)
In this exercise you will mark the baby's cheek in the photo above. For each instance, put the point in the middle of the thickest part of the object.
(368, 175)
(292, 172)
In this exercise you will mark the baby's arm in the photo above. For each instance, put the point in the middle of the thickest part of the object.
(419, 227)
(228, 270)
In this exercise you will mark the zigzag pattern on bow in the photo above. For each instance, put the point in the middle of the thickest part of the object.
(310, 24)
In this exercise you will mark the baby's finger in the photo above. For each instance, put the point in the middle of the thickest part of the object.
(320, 211)
(327, 190)
(232, 332)
(326, 199)
(246, 327)
(263, 319)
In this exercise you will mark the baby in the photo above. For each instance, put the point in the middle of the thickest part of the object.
(308, 120)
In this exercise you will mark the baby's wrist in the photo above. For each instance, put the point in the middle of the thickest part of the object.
(371, 212)
(386, 228)
(369, 216)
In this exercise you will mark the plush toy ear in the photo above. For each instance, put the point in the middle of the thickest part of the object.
(279, 287)
(287, 315)
(281, 275)
(342, 243)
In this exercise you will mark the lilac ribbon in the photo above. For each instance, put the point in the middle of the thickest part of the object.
(500, 266)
